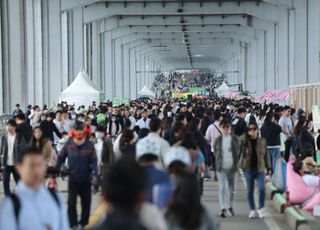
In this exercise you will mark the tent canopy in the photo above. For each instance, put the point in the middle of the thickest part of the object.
(146, 92)
(222, 89)
(81, 91)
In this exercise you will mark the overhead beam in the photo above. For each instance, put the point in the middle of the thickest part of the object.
(243, 19)
(117, 33)
(230, 35)
(265, 10)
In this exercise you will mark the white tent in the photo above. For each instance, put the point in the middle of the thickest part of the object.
(145, 92)
(222, 89)
(81, 91)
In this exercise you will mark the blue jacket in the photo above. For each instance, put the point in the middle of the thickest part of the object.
(82, 161)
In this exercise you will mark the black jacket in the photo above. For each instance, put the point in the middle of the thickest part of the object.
(18, 149)
(240, 127)
(271, 132)
(305, 143)
(25, 130)
(48, 127)
(121, 220)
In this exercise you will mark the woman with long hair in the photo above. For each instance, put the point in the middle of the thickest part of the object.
(127, 145)
(37, 139)
(185, 210)
(305, 142)
(254, 162)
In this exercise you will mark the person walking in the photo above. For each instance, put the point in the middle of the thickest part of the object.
(48, 127)
(271, 132)
(185, 210)
(12, 148)
(286, 124)
(23, 127)
(254, 161)
(32, 205)
(226, 149)
(82, 161)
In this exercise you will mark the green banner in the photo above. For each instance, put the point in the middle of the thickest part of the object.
(116, 102)
(102, 97)
(125, 101)
(120, 101)
(197, 89)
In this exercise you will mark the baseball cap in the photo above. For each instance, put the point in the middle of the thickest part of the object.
(174, 154)
(146, 146)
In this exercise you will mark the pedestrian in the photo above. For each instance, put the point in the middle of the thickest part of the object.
(213, 131)
(239, 125)
(226, 149)
(48, 127)
(271, 132)
(82, 162)
(16, 111)
(254, 162)
(154, 134)
(286, 124)
(177, 161)
(144, 122)
(185, 210)
(32, 205)
(23, 127)
(12, 148)
(125, 196)
(148, 155)
(304, 139)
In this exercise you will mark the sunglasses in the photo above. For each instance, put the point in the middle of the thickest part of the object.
(252, 129)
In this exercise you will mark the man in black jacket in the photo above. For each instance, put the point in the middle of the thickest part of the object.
(12, 148)
(82, 162)
(48, 127)
(23, 127)
(239, 125)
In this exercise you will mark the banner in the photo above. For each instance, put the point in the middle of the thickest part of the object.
(120, 101)
(316, 117)
(102, 97)
(125, 101)
(116, 102)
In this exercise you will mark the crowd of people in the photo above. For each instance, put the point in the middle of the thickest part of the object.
(182, 82)
(148, 159)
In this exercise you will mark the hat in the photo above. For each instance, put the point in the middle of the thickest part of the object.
(180, 154)
(143, 110)
(147, 145)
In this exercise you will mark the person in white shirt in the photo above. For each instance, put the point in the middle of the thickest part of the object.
(155, 131)
(127, 115)
(213, 131)
(32, 205)
(59, 122)
(144, 122)
(12, 147)
(286, 124)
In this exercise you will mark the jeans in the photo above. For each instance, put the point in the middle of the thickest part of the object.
(227, 187)
(82, 189)
(250, 177)
(274, 155)
(6, 178)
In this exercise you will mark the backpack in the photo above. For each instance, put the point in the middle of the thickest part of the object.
(17, 205)
(101, 118)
